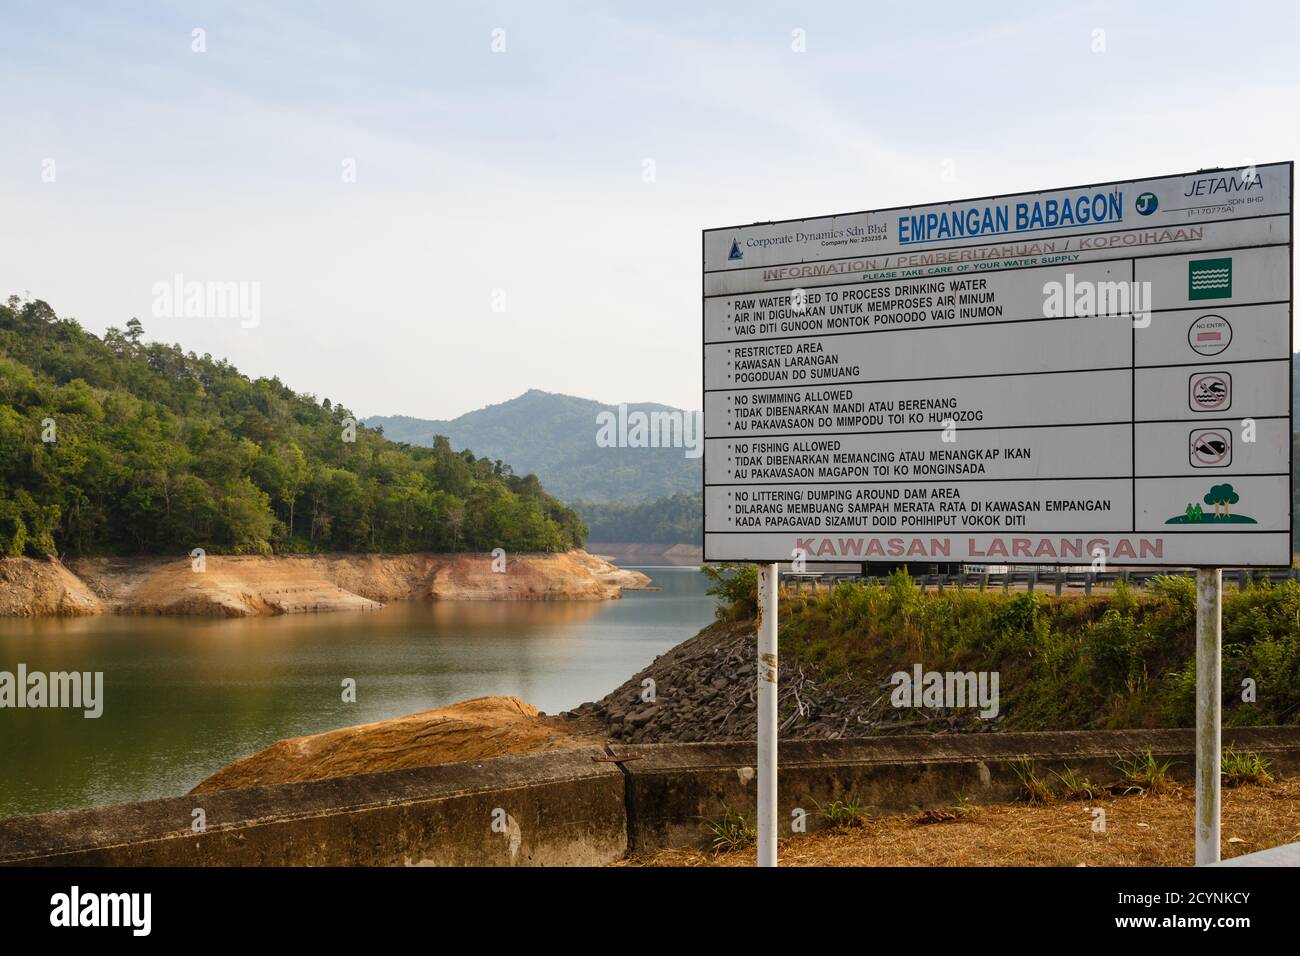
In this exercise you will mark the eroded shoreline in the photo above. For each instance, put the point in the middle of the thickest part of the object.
(249, 586)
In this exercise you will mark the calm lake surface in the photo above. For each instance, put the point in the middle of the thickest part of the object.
(185, 696)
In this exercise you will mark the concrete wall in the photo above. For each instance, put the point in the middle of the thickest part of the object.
(561, 809)
(672, 788)
(567, 808)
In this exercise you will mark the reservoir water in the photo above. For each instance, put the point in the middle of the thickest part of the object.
(185, 696)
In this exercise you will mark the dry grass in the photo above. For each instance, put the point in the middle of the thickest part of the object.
(1145, 830)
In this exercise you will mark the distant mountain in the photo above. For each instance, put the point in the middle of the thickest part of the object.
(554, 437)
(675, 520)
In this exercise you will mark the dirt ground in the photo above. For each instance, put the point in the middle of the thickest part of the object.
(35, 588)
(1140, 830)
(471, 730)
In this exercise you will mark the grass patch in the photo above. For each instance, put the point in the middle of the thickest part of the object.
(1075, 786)
(732, 832)
(1143, 773)
(1035, 789)
(846, 813)
(1245, 768)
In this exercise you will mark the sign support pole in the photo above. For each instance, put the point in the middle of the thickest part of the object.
(1209, 704)
(768, 580)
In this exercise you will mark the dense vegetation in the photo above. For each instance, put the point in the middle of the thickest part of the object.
(678, 519)
(1122, 660)
(1295, 485)
(554, 436)
(122, 446)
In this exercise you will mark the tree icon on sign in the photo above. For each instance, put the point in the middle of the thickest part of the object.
(1222, 498)
(1222, 495)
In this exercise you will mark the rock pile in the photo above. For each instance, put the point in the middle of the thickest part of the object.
(704, 689)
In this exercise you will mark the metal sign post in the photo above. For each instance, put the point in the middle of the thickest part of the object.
(1209, 703)
(768, 580)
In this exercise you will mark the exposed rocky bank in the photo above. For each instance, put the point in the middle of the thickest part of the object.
(705, 689)
(245, 586)
(30, 588)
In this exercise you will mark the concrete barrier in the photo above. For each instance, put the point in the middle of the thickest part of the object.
(1286, 855)
(674, 788)
(553, 809)
(572, 807)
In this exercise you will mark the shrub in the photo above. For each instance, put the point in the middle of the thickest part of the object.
(736, 586)
(1122, 660)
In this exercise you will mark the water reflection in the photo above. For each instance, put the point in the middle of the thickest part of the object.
(184, 697)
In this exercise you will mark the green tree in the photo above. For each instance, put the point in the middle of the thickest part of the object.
(161, 451)
(292, 477)
(13, 530)
(245, 510)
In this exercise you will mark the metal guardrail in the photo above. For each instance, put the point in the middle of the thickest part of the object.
(1034, 579)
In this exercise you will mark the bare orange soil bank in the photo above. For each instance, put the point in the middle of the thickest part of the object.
(43, 588)
(471, 730)
(248, 586)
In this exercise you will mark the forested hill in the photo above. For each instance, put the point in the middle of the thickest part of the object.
(555, 436)
(119, 446)
(678, 519)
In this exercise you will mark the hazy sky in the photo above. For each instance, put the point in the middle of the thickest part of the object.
(520, 178)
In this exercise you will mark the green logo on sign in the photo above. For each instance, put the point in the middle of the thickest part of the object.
(1209, 279)
(1221, 498)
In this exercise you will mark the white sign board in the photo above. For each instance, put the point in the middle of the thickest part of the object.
(1047, 378)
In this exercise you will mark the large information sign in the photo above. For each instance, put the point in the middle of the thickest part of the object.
(1048, 378)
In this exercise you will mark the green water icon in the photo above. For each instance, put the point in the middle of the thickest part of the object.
(1209, 279)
